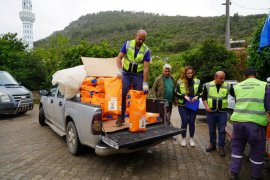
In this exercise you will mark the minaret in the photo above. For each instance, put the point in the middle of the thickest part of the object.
(27, 18)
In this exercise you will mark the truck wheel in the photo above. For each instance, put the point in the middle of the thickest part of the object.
(41, 117)
(72, 138)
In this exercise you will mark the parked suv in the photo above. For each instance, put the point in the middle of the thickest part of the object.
(14, 98)
(231, 102)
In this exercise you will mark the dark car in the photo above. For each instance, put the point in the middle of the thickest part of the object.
(14, 98)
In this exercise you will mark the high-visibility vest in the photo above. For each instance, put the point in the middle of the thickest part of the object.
(182, 88)
(249, 105)
(214, 97)
(131, 61)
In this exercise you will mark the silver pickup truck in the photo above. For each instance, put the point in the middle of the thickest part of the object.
(82, 125)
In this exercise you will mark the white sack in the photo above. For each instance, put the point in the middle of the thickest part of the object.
(69, 80)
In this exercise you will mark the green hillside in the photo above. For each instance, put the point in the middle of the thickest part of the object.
(165, 33)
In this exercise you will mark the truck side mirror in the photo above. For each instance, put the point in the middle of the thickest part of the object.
(42, 92)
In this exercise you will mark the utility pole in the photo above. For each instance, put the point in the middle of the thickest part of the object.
(227, 38)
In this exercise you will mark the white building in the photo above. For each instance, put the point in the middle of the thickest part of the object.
(28, 19)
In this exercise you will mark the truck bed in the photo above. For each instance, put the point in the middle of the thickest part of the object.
(152, 105)
(155, 133)
(110, 126)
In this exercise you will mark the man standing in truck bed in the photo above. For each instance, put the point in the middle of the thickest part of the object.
(135, 69)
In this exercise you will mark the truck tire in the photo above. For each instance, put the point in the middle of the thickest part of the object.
(72, 138)
(41, 117)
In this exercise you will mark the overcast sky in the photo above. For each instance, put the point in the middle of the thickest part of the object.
(54, 15)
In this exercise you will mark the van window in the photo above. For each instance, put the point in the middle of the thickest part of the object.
(7, 79)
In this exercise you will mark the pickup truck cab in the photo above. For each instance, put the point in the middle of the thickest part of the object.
(82, 124)
(14, 98)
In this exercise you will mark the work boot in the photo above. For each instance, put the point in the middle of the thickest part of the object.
(233, 176)
(221, 151)
(120, 121)
(210, 148)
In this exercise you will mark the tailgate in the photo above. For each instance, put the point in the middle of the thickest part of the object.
(126, 139)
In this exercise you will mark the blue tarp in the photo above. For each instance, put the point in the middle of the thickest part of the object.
(265, 34)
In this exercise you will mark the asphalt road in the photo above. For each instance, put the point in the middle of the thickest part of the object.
(29, 151)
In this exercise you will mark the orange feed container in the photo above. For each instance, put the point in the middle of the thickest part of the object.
(89, 81)
(152, 117)
(86, 94)
(89, 88)
(86, 100)
(100, 81)
(137, 119)
(109, 117)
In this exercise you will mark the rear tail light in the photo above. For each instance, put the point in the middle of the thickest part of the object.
(96, 124)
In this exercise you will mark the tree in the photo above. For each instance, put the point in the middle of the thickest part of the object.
(60, 54)
(12, 51)
(165, 33)
(50, 58)
(259, 60)
(155, 70)
(241, 63)
(18, 61)
(209, 57)
(74, 53)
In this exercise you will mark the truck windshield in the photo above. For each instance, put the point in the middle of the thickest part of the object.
(6, 79)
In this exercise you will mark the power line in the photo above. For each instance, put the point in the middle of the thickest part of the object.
(259, 9)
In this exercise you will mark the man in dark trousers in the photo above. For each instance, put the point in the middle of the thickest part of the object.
(215, 100)
(135, 69)
(249, 122)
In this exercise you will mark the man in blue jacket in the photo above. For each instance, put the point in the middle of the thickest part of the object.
(135, 69)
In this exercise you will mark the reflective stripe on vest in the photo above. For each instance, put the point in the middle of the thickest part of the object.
(183, 90)
(129, 58)
(216, 96)
(249, 105)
